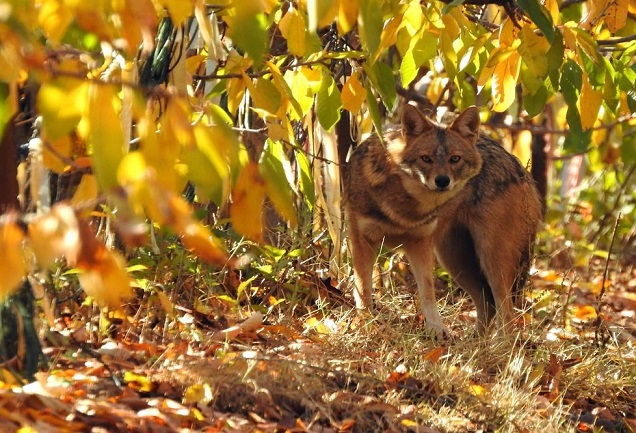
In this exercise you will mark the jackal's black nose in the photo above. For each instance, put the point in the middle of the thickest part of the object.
(442, 181)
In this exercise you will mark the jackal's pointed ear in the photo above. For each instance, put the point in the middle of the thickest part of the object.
(467, 124)
(414, 122)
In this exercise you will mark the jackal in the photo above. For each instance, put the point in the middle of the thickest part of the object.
(445, 189)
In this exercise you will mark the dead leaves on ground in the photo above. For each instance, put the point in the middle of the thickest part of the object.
(251, 374)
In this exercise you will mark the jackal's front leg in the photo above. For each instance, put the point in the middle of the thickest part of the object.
(363, 259)
(420, 257)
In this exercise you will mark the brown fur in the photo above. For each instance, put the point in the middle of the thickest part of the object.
(446, 189)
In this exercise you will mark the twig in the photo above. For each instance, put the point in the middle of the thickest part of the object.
(614, 41)
(600, 304)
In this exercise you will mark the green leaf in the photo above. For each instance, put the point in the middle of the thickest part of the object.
(408, 70)
(535, 103)
(381, 76)
(249, 29)
(5, 107)
(595, 70)
(576, 143)
(305, 178)
(540, 16)
(571, 82)
(631, 100)
(265, 95)
(207, 168)
(328, 102)
(277, 173)
(370, 24)
(577, 140)
(628, 149)
(374, 109)
(422, 48)
(556, 52)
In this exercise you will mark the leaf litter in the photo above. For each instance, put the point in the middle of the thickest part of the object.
(331, 369)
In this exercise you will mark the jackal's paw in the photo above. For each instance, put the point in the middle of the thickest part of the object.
(363, 302)
(438, 331)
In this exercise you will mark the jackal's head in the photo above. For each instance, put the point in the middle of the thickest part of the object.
(442, 157)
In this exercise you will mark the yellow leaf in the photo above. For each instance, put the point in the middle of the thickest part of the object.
(287, 96)
(198, 393)
(304, 84)
(106, 136)
(321, 13)
(138, 382)
(265, 95)
(507, 33)
(206, 165)
(176, 122)
(388, 37)
(594, 10)
(165, 302)
(436, 88)
(10, 60)
(179, 10)
(54, 17)
(477, 390)
(294, 29)
(235, 90)
(317, 325)
(205, 27)
(523, 147)
(55, 154)
(61, 102)
(13, 268)
(534, 49)
(138, 22)
(553, 7)
(504, 82)
(353, 94)
(278, 176)
(347, 15)
(247, 203)
(55, 235)
(85, 194)
(160, 150)
(616, 15)
(590, 103)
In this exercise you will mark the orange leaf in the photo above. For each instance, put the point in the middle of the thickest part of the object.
(54, 235)
(13, 268)
(353, 94)
(247, 203)
(103, 275)
(435, 354)
(199, 240)
(585, 312)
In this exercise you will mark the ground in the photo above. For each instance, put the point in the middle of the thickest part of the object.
(169, 364)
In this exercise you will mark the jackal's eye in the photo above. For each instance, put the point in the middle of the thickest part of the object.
(427, 159)
(454, 159)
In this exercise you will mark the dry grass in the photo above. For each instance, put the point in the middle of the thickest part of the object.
(381, 372)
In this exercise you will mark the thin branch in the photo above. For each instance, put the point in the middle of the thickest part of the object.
(598, 337)
(257, 74)
(615, 41)
(541, 130)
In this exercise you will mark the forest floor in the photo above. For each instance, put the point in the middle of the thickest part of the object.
(320, 366)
